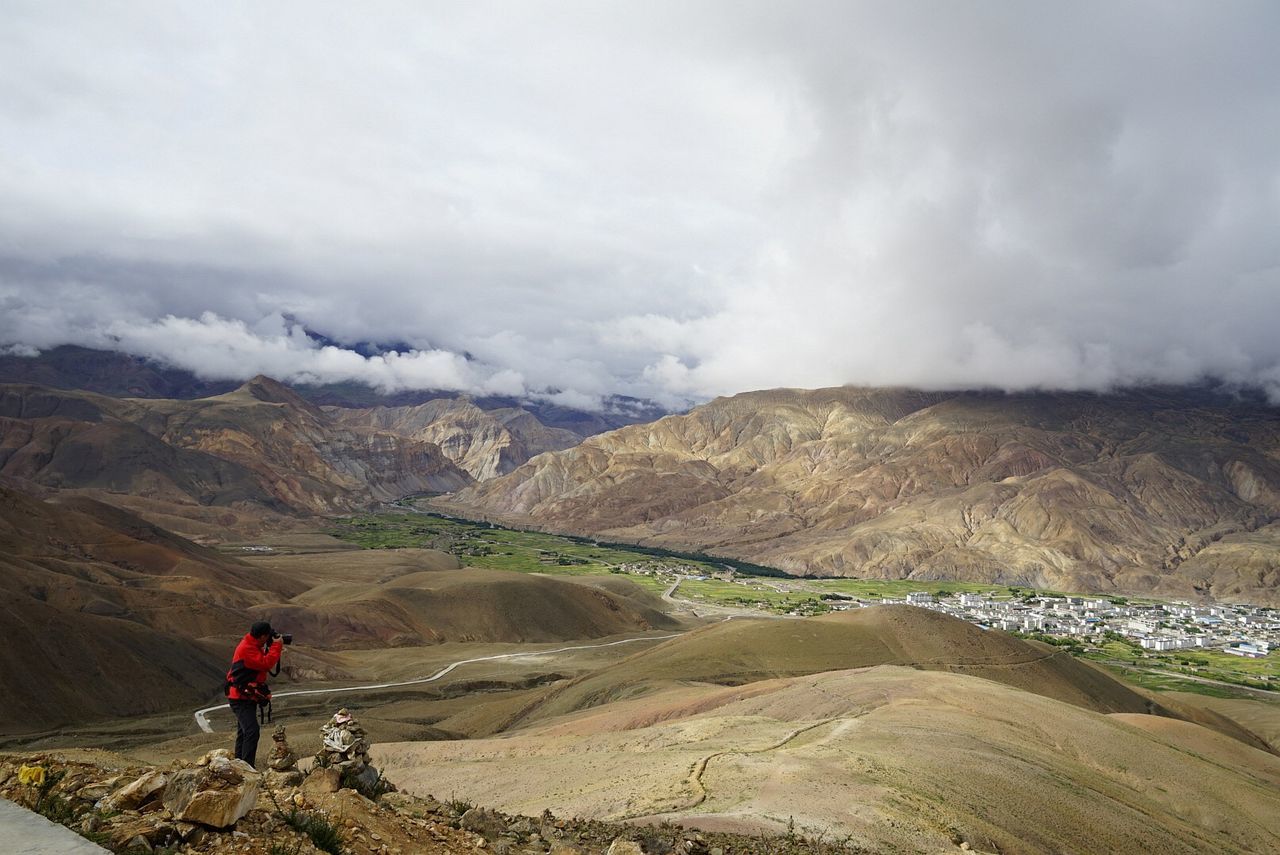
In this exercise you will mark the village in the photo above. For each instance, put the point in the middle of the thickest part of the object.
(1247, 631)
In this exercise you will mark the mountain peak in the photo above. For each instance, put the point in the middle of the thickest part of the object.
(271, 391)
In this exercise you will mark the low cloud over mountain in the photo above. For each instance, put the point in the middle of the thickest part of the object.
(571, 201)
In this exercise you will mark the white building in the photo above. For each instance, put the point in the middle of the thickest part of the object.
(1170, 642)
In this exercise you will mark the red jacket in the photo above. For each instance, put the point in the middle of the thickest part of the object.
(257, 656)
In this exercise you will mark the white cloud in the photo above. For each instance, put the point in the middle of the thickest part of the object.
(665, 200)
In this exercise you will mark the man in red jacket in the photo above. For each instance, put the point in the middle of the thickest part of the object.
(255, 656)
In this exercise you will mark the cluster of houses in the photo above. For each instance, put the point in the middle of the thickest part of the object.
(1248, 631)
(1241, 630)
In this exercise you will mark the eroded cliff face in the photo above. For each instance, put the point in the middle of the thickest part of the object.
(1171, 492)
(485, 444)
(260, 443)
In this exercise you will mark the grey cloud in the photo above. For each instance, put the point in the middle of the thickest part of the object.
(664, 200)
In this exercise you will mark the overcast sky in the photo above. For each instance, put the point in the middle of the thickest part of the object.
(670, 200)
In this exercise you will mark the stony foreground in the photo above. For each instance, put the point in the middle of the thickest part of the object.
(220, 806)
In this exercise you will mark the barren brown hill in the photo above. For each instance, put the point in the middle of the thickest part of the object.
(260, 444)
(484, 444)
(1171, 492)
(414, 597)
(744, 651)
(894, 759)
(102, 612)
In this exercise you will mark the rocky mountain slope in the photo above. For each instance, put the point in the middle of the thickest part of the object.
(103, 611)
(1172, 492)
(483, 443)
(261, 443)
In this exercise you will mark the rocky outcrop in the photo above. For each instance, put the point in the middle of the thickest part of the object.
(216, 793)
(290, 818)
(1072, 492)
(485, 444)
(141, 791)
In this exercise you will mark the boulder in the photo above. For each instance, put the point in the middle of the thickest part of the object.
(130, 832)
(273, 780)
(322, 781)
(216, 794)
(483, 822)
(133, 795)
(366, 779)
(215, 754)
(562, 847)
(622, 846)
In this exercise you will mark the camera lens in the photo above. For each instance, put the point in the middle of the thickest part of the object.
(287, 638)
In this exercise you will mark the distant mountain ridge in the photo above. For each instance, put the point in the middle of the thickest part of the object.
(484, 443)
(1173, 492)
(124, 375)
(261, 444)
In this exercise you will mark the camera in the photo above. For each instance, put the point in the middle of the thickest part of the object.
(286, 637)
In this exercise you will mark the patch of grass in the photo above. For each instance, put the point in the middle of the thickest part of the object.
(1169, 683)
(458, 806)
(323, 833)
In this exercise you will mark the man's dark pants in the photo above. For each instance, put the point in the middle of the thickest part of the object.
(247, 731)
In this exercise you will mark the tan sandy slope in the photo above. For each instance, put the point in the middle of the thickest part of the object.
(902, 760)
(743, 651)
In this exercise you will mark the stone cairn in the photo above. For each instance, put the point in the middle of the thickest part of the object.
(282, 757)
(344, 748)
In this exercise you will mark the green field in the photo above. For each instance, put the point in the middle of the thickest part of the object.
(1208, 664)
(1169, 683)
(481, 545)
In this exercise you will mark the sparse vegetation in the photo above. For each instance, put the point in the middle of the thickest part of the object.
(324, 834)
(458, 806)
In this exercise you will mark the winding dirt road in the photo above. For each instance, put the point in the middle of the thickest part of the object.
(202, 715)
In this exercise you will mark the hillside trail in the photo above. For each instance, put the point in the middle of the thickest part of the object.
(202, 715)
(695, 783)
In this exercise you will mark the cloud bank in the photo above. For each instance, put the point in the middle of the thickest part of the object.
(666, 200)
